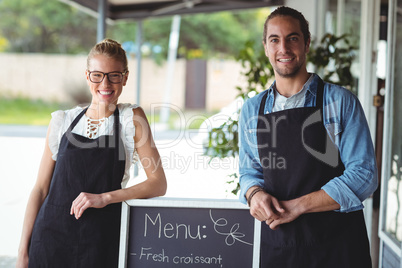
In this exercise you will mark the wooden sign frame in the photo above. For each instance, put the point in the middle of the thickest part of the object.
(165, 202)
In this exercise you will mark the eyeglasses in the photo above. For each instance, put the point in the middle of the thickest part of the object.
(113, 77)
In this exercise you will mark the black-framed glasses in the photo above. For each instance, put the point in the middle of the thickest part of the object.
(113, 77)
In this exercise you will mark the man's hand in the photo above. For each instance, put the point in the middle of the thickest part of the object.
(265, 207)
(292, 210)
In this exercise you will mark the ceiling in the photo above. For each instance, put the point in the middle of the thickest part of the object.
(141, 9)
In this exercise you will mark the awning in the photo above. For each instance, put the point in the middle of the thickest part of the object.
(141, 9)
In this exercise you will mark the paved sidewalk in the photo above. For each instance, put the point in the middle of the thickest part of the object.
(188, 172)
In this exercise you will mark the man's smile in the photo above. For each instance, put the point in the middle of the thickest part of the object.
(286, 59)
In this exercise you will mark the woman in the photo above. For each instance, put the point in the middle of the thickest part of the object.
(73, 213)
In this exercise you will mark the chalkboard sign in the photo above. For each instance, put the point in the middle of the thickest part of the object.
(167, 232)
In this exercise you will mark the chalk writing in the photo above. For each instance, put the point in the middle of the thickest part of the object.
(171, 230)
(233, 235)
(147, 254)
(161, 237)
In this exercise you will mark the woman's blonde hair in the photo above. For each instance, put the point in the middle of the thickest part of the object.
(111, 49)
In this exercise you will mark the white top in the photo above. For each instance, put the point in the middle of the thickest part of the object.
(92, 129)
(295, 101)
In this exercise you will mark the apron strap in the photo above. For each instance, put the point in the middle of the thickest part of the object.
(263, 101)
(74, 123)
(320, 93)
(116, 121)
(318, 99)
(117, 129)
(119, 152)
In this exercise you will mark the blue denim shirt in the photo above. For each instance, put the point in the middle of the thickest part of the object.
(346, 125)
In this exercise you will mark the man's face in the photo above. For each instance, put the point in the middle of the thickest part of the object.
(285, 46)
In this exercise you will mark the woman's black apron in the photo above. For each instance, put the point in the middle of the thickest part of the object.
(83, 165)
(297, 160)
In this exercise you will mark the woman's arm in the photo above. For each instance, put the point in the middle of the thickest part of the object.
(35, 201)
(155, 185)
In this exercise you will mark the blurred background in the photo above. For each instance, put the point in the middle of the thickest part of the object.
(44, 43)
(43, 50)
(191, 74)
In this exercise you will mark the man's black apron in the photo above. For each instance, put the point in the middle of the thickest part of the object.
(83, 165)
(292, 150)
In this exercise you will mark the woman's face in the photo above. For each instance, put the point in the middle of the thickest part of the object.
(105, 92)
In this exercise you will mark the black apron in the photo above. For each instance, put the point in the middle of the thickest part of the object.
(83, 165)
(298, 158)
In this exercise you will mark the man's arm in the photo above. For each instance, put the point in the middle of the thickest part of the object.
(347, 125)
(359, 180)
(250, 169)
(318, 201)
(262, 205)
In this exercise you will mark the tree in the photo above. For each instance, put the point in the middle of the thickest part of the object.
(48, 26)
(213, 34)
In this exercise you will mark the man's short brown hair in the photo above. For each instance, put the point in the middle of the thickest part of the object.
(287, 11)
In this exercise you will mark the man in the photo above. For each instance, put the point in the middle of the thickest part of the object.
(306, 159)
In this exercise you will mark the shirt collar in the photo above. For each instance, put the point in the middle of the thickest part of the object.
(310, 85)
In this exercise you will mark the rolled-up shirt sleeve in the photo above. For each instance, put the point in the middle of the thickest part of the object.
(250, 169)
(351, 134)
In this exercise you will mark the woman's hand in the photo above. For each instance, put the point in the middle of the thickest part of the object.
(87, 200)
(22, 261)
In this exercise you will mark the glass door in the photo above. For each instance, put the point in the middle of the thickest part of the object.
(391, 203)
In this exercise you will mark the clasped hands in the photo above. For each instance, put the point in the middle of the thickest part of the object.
(265, 207)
